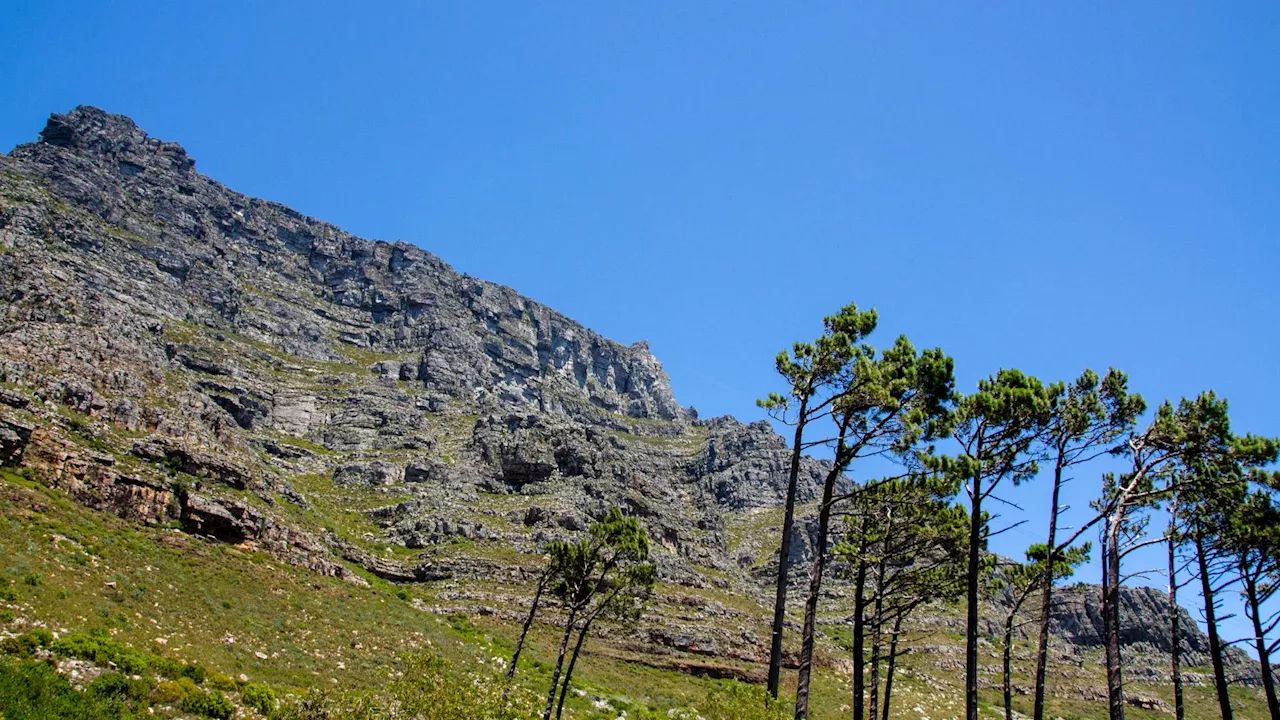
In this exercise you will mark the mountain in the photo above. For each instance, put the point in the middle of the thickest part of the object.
(183, 356)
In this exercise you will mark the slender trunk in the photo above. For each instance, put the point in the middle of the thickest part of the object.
(1111, 617)
(1046, 596)
(1211, 629)
(971, 616)
(893, 664)
(573, 660)
(784, 555)
(1260, 642)
(859, 631)
(555, 676)
(528, 622)
(1008, 666)
(815, 585)
(1175, 633)
(873, 707)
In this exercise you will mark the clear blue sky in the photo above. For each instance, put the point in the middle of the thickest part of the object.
(1042, 186)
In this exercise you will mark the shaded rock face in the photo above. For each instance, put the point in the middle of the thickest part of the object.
(174, 351)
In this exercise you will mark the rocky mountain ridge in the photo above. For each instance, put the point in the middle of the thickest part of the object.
(174, 351)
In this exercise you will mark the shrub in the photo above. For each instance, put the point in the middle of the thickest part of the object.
(173, 692)
(26, 644)
(102, 650)
(259, 697)
(35, 691)
(197, 673)
(212, 705)
(115, 685)
(7, 593)
(218, 681)
(166, 667)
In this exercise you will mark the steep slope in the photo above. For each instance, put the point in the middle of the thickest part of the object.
(172, 351)
(176, 351)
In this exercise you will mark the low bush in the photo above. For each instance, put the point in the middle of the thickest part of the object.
(100, 649)
(225, 683)
(197, 673)
(259, 697)
(26, 644)
(209, 704)
(35, 691)
(173, 692)
(121, 687)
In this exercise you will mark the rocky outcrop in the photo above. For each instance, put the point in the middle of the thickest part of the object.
(1144, 626)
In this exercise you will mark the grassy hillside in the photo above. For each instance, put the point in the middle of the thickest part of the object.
(249, 621)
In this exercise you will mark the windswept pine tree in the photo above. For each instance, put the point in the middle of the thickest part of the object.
(889, 403)
(815, 373)
(1252, 541)
(606, 573)
(1022, 582)
(1086, 419)
(996, 430)
(906, 546)
(1190, 448)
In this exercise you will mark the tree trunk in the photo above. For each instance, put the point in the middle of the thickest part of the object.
(859, 630)
(1211, 629)
(1008, 666)
(873, 707)
(528, 622)
(573, 660)
(1260, 642)
(555, 676)
(1175, 635)
(893, 663)
(1046, 598)
(815, 587)
(1111, 617)
(971, 616)
(784, 556)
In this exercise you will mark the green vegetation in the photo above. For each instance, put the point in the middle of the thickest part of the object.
(110, 588)
(894, 405)
(35, 691)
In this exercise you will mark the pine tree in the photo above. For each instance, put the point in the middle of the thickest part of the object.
(997, 428)
(1253, 541)
(907, 537)
(1190, 448)
(889, 403)
(1086, 419)
(814, 372)
(607, 572)
(1022, 581)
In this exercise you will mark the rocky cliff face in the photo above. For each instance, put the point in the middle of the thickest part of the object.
(147, 300)
(172, 350)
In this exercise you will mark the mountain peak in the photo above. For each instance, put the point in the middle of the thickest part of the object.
(95, 131)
